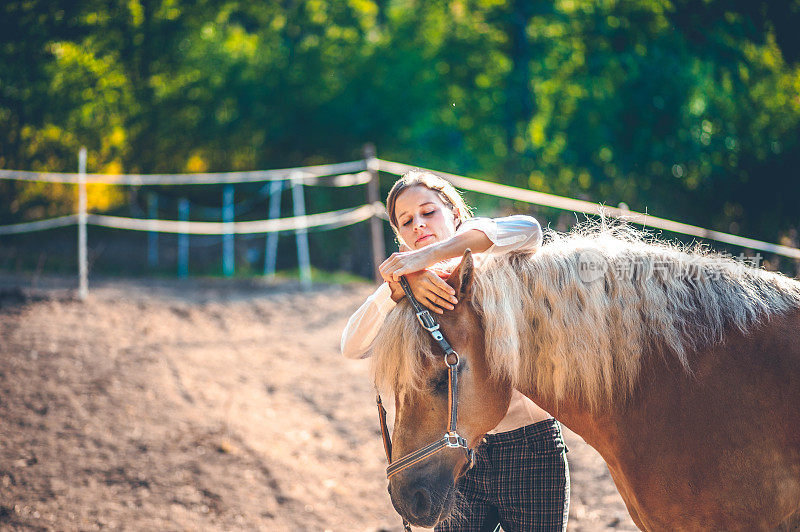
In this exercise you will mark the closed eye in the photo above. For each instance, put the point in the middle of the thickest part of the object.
(426, 214)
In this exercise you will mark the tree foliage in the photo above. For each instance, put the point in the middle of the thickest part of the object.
(689, 109)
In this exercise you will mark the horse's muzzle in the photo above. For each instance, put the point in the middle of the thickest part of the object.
(421, 502)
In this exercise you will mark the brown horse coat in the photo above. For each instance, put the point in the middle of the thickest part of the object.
(718, 449)
(688, 385)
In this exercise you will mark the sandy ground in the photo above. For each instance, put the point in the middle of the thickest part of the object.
(202, 405)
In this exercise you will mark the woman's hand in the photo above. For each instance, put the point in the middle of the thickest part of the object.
(431, 290)
(405, 262)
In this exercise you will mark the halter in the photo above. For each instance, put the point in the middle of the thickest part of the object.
(451, 438)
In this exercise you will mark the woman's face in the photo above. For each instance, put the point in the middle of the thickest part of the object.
(423, 218)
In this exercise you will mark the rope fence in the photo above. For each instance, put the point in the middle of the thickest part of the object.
(250, 203)
(323, 220)
(354, 173)
(327, 220)
(39, 225)
(346, 174)
(587, 207)
(304, 173)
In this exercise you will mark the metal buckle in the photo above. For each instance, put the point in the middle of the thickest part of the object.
(452, 439)
(427, 321)
(447, 359)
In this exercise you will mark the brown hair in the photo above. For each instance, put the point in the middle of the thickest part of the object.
(447, 193)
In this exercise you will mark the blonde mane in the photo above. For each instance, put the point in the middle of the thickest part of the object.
(577, 316)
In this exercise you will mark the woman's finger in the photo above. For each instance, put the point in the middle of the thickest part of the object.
(387, 261)
(402, 270)
(392, 274)
(387, 267)
(441, 288)
(432, 293)
(405, 269)
(388, 274)
(417, 288)
(388, 270)
(439, 301)
(431, 305)
(393, 259)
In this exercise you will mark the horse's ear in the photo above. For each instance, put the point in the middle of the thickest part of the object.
(463, 276)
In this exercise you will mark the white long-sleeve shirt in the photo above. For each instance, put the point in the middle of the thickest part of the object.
(507, 234)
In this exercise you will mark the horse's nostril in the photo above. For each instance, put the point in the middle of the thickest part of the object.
(422, 503)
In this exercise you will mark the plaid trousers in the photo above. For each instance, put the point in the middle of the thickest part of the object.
(520, 481)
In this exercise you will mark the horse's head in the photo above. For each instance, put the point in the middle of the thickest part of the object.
(424, 493)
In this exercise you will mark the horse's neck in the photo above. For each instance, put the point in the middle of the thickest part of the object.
(592, 425)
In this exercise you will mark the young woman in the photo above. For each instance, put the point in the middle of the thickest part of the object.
(521, 479)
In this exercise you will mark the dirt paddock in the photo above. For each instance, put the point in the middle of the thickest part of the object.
(202, 405)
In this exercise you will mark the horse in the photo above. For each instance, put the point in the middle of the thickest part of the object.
(679, 366)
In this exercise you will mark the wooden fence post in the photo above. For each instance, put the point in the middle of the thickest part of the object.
(375, 223)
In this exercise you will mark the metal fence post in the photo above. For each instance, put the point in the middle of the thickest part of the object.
(227, 239)
(301, 234)
(271, 249)
(152, 236)
(83, 261)
(183, 239)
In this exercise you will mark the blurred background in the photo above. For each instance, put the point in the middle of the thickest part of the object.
(687, 109)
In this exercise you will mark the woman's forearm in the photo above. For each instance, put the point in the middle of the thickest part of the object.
(474, 239)
(500, 235)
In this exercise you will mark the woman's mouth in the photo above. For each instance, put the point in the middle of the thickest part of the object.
(423, 239)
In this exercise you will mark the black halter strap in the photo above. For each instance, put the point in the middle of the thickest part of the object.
(451, 438)
(427, 321)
